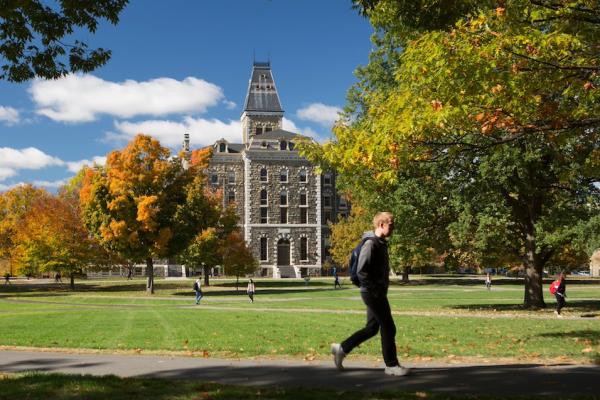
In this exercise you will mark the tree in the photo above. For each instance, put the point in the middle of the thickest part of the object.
(32, 34)
(502, 97)
(143, 204)
(237, 257)
(52, 238)
(346, 233)
(14, 206)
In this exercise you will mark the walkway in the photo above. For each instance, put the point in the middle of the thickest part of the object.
(515, 379)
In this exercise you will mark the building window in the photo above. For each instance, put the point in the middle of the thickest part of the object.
(231, 177)
(343, 202)
(214, 179)
(327, 216)
(258, 130)
(264, 198)
(231, 197)
(222, 148)
(282, 145)
(291, 146)
(283, 198)
(284, 214)
(263, 144)
(303, 248)
(302, 176)
(283, 175)
(268, 129)
(264, 175)
(304, 215)
(303, 200)
(327, 200)
(263, 249)
(263, 215)
(327, 179)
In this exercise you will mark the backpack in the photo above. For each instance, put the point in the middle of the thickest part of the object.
(554, 286)
(353, 265)
(196, 288)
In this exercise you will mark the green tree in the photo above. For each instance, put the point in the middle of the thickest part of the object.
(32, 34)
(503, 98)
(143, 204)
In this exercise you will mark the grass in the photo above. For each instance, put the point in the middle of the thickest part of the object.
(436, 319)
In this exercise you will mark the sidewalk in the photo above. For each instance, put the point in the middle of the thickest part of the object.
(517, 379)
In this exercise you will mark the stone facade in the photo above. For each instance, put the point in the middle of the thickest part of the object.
(283, 203)
(595, 264)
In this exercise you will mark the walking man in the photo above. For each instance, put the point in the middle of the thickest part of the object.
(198, 290)
(560, 294)
(250, 290)
(373, 272)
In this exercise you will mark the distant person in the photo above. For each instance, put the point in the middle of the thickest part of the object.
(7, 278)
(336, 282)
(488, 281)
(307, 279)
(560, 294)
(374, 275)
(250, 290)
(57, 278)
(129, 273)
(198, 290)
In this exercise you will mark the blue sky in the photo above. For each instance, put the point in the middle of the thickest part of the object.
(182, 66)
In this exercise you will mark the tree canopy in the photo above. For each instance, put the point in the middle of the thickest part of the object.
(33, 36)
(492, 105)
(143, 204)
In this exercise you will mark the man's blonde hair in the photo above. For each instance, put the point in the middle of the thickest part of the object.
(382, 217)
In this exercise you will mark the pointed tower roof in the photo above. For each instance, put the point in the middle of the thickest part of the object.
(262, 94)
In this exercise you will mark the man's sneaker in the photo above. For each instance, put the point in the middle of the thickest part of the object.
(398, 370)
(338, 355)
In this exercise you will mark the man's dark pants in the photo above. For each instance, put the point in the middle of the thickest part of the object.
(379, 315)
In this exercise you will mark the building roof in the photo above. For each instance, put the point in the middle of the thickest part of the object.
(262, 94)
(278, 134)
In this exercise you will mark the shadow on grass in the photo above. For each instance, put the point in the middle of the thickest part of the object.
(470, 280)
(588, 336)
(590, 307)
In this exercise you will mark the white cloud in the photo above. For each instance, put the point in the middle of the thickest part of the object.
(289, 125)
(29, 158)
(320, 113)
(202, 131)
(50, 184)
(230, 105)
(75, 166)
(6, 173)
(9, 115)
(81, 98)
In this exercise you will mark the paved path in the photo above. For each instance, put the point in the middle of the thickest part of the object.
(532, 379)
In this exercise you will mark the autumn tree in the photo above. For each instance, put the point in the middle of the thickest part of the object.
(143, 204)
(32, 37)
(502, 97)
(237, 257)
(14, 206)
(346, 233)
(52, 238)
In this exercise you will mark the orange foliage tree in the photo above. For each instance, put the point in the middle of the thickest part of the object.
(143, 204)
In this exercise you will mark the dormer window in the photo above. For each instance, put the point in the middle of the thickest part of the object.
(258, 130)
(222, 148)
(263, 144)
(282, 145)
(291, 145)
(268, 129)
(327, 179)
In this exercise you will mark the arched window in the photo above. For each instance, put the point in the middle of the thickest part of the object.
(231, 197)
(303, 248)
(222, 147)
(264, 175)
(291, 146)
(302, 176)
(283, 145)
(283, 175)
(264, 199)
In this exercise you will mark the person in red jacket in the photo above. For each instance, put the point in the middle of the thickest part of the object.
(560, 294)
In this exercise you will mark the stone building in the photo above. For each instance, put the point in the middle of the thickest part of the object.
(283, 202)
(595, 264)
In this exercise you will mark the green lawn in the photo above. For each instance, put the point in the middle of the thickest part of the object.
(435, 319)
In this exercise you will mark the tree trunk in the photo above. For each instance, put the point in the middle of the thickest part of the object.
(534, 296)
(206, 270)
(405, 273)
(150, 273)
(237, 282)
(72, 281)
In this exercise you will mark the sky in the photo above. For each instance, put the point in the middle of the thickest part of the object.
(182, 66)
